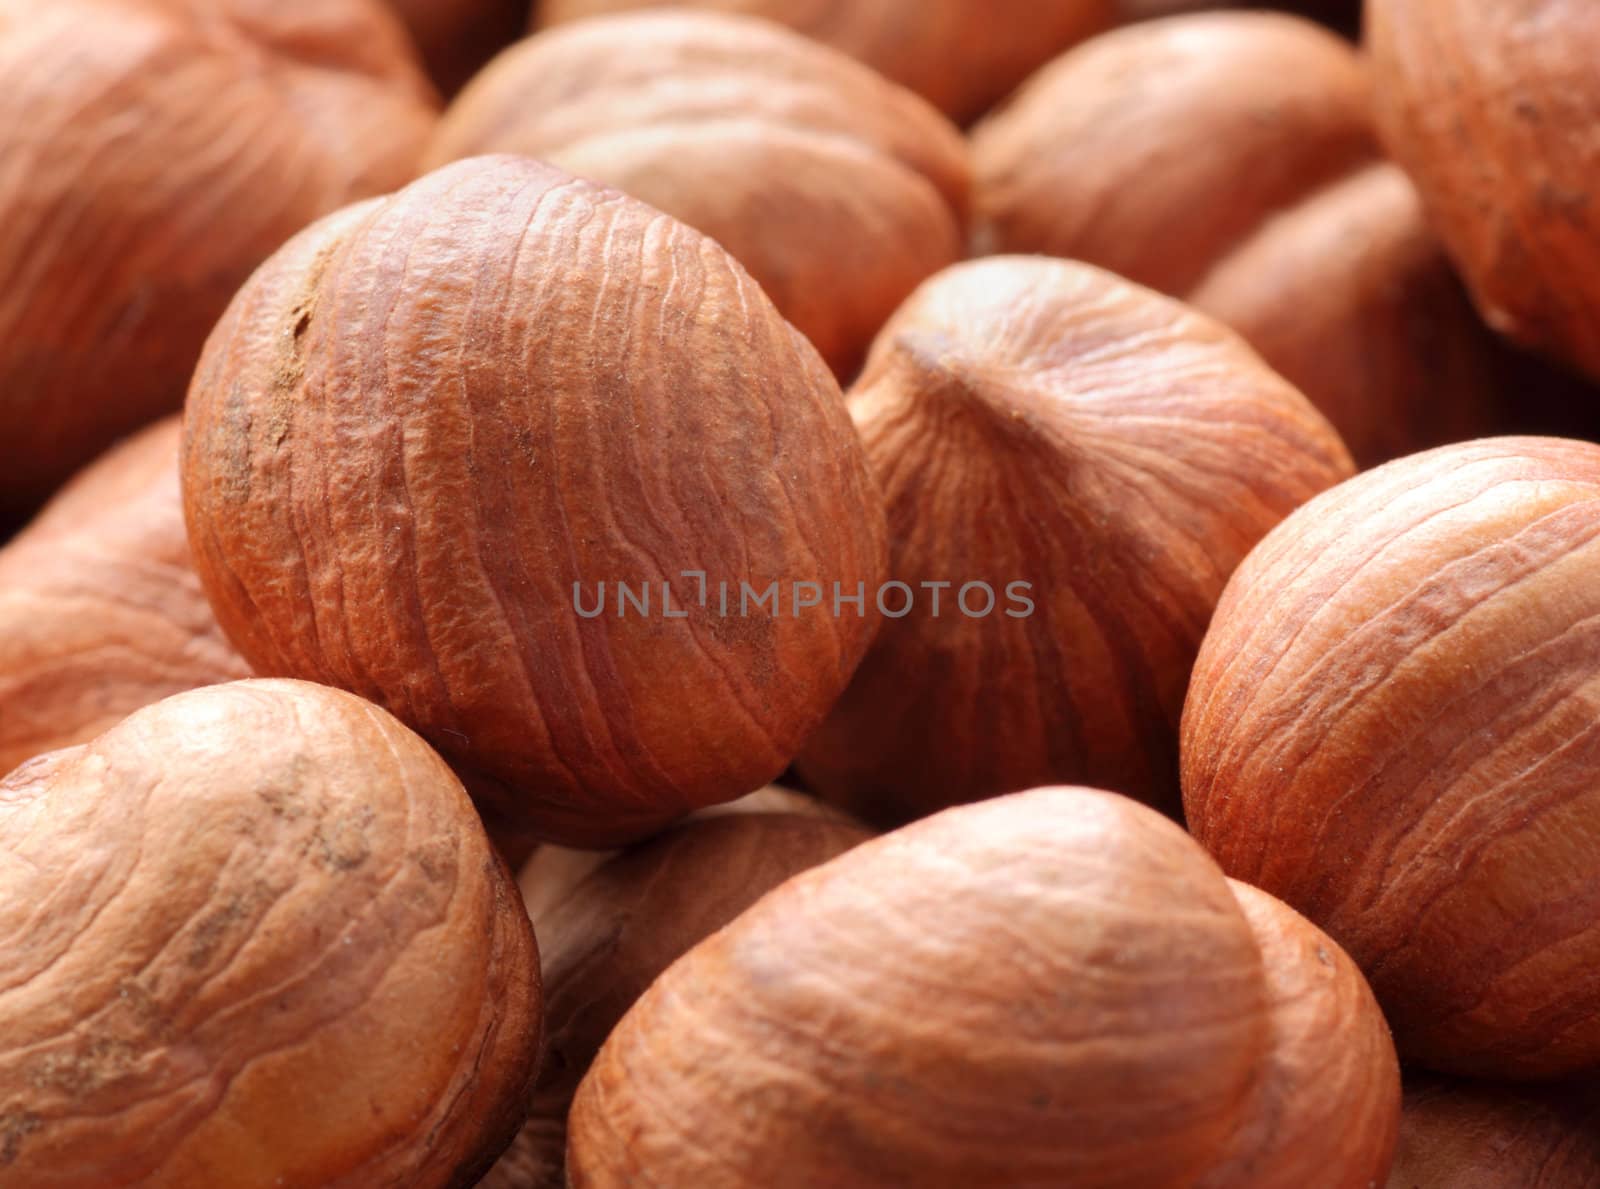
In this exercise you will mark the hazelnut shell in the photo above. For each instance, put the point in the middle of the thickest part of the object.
(769, 143)
(256, 937)
(1349, 297)
(1042, 422)
(611, 934)
(100, 609)
(431, 427)
(1154, 149)
(1489, 105)
(156, 151)
(958, 55)
(948, 1006)
(1474, 1135)
(1326, 1103)
(1390, 726)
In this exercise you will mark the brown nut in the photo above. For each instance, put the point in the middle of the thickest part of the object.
(1391, 726)
(1154, 149)
(1472, 1135)
(958, 55)
(1489, 104)
(431, 428)
(255, 936)
(1053, 988)
(1325, 1107)
(769, 143)
(1101, 457)
(1229, 158)
(156, 151)
(456, 37)
(100, 609)
(1349, 297)
(946, 1006)
(607, 937)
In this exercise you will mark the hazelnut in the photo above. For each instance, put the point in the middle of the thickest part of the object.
(1391, 726)
(100, 609)
(1082, 462)
(605, 937)
(767, 142)
(255, 936)
(1284, 225)
(1475, 1135)
(456, 37)
(434, 432)
(1052, 988)
(1349, 297)
(1325, 1105)
(958, 55)
(1489, 104)
(156, 151)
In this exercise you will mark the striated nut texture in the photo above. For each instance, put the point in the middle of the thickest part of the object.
(434, 434)
(255, 936)
(608, 937)
(958, 55)
(839, 191)
(946, 1006)
(155, 152)
(1489, 104)
(1391, 725)
(1475, 1135)
(1099, 458)
(1325, 1108)
(100, 609)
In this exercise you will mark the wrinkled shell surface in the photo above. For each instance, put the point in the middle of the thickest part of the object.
(155, 151)
(1326, 1106)
(960, 56)
(427, 419)
(770, 144)
(1489, 104)
(947, 1006)
(100, 609)
(1036, 421)
(1392, 727)
(1349, 297)
(1468, 1135)
(1153, 150)
(256, 937)
(456, 37)
(612, 934)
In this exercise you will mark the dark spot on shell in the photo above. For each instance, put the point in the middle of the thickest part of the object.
(15, 1126)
